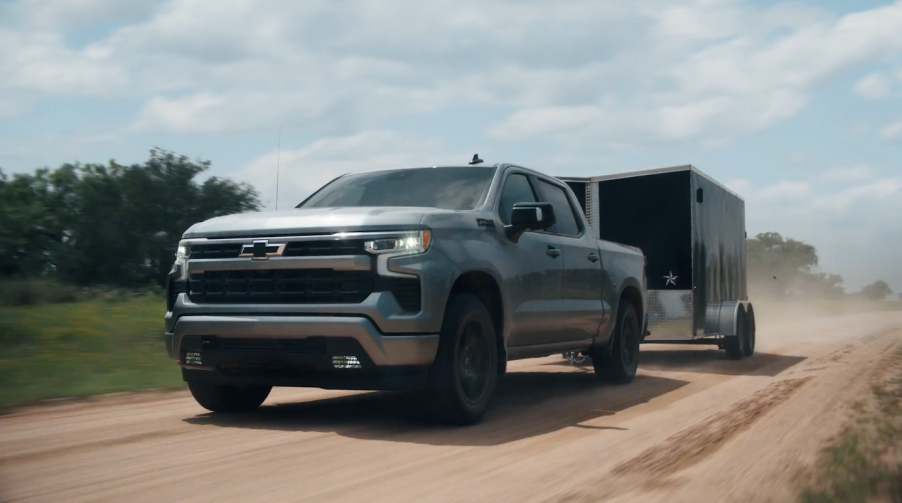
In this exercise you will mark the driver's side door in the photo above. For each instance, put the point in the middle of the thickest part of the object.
(534, 272)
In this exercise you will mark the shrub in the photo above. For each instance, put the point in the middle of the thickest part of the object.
(19, 293)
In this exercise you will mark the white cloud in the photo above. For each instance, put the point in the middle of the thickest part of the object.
(873, 86)
(303, 170)
(790, 190)
(741, 186)
(59, 14)
(42, 63)
(577, 71)
(879, 189)
(740, 84)
(857, 172)
(892, 131)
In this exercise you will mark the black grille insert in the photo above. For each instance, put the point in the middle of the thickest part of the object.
(316, 248)
(173, 289)
(215, 251)
(296, 286)
(407, 293)
(308, 346)
(329, 248)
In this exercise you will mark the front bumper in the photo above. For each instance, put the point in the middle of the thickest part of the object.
(336, 336)
(386, 315)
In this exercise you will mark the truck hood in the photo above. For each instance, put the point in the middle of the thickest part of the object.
(311, 221)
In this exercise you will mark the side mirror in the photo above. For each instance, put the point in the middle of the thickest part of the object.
(529, 217)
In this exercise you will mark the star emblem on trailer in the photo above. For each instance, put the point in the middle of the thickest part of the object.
(671, 279)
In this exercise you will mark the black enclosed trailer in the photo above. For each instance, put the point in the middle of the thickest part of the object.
(692, 231)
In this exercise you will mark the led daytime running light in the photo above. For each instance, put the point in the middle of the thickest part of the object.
(411, 243)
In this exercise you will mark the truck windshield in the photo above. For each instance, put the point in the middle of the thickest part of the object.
(445, 188)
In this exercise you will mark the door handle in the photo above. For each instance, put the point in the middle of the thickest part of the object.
(593, 257)
(553, 252)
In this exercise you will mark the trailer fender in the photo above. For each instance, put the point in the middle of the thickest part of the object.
(721, 317)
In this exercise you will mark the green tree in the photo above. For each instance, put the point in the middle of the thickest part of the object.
(109, 224)
(777, 266)
(878, 290)
(29, 227)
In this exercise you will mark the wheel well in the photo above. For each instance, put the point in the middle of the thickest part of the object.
(484, 286)
(633, 295)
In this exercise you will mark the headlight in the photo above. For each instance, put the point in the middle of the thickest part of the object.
(416, 242)
(182, 252)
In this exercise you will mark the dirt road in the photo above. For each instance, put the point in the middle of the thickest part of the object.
(692, 427)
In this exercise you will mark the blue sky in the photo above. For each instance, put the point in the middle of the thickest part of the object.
(796, 105)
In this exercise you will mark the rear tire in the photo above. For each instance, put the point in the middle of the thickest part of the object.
(619, 367)
(225, 398)
(736, 345)
(749, 333)
(462, 379)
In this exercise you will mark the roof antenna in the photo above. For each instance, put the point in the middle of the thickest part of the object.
(278, 154)
(476, 159)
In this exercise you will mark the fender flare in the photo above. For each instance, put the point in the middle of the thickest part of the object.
(608, 346)
(721, 318)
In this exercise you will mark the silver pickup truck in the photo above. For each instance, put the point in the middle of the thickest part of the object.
(426, 279)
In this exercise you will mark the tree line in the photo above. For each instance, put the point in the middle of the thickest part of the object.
(780, 267)
(112, 224)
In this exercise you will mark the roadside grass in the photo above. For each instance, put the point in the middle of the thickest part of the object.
(865, 462)
(83, 348)
(34, 292)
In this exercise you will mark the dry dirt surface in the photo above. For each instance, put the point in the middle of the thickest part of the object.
(692, 427)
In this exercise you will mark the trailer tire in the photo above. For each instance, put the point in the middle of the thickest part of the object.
(620, 365)
(462, 379)
(736, 344)
(226, 398)
(749, 349)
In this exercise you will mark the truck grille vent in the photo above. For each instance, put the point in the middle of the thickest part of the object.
(311, 345)
(324, 248)
(173, 289)
(407, 293)
(303, 286)
(318, 248)
(215, 251)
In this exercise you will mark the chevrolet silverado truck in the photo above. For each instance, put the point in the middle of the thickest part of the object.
(419, 279)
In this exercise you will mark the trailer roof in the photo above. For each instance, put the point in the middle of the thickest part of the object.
(646, 172)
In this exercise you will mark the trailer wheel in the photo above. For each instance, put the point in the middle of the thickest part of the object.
(749, 333)
(621, 364)
(736, 344)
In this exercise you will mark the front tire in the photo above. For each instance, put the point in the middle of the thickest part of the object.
(226, 398)
(620, 366)
(462, 379)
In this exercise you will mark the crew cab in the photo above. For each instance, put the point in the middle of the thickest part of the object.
(423, 279)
